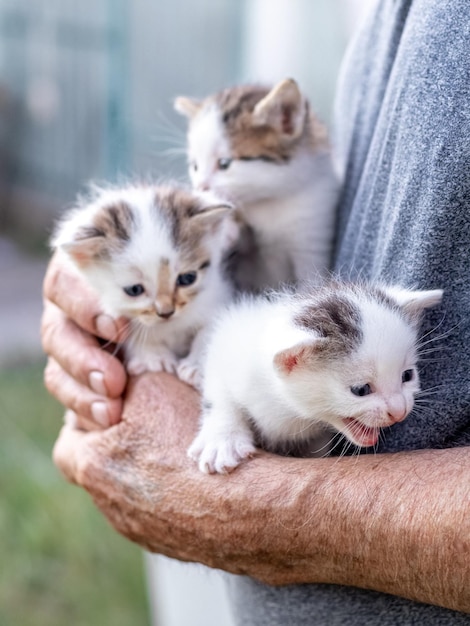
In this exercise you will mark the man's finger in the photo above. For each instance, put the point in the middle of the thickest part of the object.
(102, 411)
(80, 354)
(71, 293)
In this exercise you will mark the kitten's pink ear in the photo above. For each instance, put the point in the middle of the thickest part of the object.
(188, 107)
(212, 216)
(212, 209)
(296, 357)
(414, 301)
(85, 245)
(284, 108)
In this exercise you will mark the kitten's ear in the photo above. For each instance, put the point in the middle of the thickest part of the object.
(188, 107)
(84, 245)
(212, 216)
(284, 108)
(414, 301)
(212, 209)
(298, 356)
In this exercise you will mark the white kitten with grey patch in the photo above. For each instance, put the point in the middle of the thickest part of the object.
(153, 254)
(264, 150)
(284, 370)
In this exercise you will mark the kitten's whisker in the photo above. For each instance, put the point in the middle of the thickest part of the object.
(335, 441)
(436, 360)
(115, 343)
(432, 349)
(429, 392)
(174, 135)
(429, 400)
(439, 337)
(435, 328)
(174, 151)
(327, 447)
(168, 124)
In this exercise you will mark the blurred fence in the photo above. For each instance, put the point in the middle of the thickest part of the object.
(86, 90)
(61, 115)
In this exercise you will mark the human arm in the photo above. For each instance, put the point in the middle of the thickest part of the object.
(396, 523)
(81, 374)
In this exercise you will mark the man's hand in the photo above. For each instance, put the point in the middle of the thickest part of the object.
(81, 374)
(396, 523)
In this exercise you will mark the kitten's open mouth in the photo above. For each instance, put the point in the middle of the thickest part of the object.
(361, 434)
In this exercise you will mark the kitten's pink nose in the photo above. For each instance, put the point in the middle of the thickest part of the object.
(204, 186)
(396, 409)
(165, 315)
(164, 309)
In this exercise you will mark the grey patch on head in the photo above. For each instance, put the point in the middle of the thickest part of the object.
(383, 298)
(114, 223)
(89, 232)
(249, 142)
(234, 101)
(175, 205)
(283, 159)
(335, 318)
(387, 301)
(122, 220)
(163, 203)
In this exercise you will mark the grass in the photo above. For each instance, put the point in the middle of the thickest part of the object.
(60, 561)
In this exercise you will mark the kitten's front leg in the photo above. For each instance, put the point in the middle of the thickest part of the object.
(224, 441)
(189, 369)
(160, 359)
(189, 372)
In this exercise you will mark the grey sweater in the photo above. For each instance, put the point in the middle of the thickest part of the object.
(403, 139)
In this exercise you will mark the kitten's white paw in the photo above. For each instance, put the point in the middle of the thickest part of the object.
(153, 363)
(190, 373)
(136, 366)
(220, 456)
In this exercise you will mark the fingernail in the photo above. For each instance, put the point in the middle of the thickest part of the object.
(96, 382)
(100, 413)
(106, 327)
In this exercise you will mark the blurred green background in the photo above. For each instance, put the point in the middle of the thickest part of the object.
(60, 564)
(86, 91)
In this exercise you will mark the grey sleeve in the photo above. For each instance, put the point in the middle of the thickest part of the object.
(403, 133)
(403, 136)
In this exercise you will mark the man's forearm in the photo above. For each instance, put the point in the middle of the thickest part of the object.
(393, 523)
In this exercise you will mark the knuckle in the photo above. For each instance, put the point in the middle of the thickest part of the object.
(50, 284)
(50, 375)
(47, 331)
(51, 323)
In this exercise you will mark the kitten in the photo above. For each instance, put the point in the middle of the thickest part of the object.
(265, 151)
(285, 370)
(153, 253)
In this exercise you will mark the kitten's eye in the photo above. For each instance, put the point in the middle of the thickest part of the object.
(361, 390)
(193, 166)
(184, 280)
(224, 164)
(134, 290)
(407, 376)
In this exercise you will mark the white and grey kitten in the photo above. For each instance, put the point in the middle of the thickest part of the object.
(153, 254)
(264, 150)
(284, 371)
